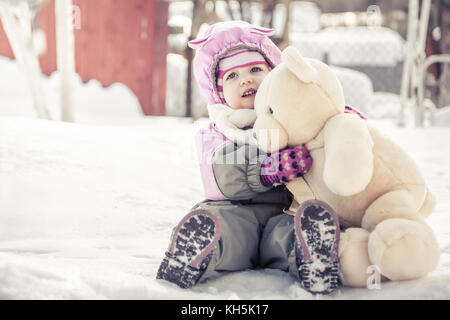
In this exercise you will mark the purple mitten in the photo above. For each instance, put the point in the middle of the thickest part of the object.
(285, 165)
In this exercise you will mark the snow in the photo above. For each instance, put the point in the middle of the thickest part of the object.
(87, 208)
(442, 116)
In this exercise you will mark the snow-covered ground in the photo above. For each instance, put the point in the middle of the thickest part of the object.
(86, 208)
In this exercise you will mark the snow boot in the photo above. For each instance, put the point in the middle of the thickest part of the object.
(317, 247)
(191, 247)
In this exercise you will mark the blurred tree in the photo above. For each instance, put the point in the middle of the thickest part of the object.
(268, 7)
(395, 14)
(444, 47)
(202, 13)
(438, 42)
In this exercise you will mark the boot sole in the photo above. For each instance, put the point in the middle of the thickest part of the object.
(317, 237)
(192, 243)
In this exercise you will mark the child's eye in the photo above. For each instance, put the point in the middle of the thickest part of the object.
(255, 69)
(232, 75)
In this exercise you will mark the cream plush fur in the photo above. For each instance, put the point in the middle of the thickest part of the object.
(374, 186)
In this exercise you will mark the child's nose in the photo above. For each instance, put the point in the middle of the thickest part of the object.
(246, 80)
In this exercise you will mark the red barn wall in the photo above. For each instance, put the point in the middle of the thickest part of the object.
(119, 41)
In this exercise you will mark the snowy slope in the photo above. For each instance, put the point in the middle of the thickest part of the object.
(86, 209)
(86, 212)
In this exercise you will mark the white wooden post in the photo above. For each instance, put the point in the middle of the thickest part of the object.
(413, 75)
(18, 31)
(413, 16)
(418, 67)
(65, 57)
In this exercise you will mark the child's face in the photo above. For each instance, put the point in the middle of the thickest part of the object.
(240, 85)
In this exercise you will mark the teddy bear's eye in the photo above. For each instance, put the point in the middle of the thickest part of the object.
(270, 110)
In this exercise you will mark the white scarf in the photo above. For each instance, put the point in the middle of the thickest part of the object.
(230, 122)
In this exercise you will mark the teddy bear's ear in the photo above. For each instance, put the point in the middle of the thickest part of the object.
(298, 65)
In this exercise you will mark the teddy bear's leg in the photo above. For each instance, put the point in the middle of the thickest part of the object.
(394, 204)
(401, 244)
(354, 258)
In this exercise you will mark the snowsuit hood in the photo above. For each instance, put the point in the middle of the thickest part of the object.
(221, 38)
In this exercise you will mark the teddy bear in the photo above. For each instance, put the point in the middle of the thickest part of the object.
(374, 186)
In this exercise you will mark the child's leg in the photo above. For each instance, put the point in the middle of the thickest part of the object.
(216, 237)
(277, 243)
(305, 245)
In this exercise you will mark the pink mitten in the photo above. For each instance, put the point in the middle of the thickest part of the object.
(285, 165)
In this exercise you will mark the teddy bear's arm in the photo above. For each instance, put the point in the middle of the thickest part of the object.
(348, 152)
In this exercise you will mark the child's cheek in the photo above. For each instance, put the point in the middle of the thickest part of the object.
(263, 75)
(260, 79)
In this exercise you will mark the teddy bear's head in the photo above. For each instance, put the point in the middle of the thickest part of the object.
(294, 102)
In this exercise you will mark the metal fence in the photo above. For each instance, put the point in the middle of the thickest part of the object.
(367, 57)
(373, 54)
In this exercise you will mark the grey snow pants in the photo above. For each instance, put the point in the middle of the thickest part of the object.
(253, 236)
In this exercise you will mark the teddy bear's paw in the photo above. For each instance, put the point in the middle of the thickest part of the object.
(345, 180)
(403, 249)
(354, 258)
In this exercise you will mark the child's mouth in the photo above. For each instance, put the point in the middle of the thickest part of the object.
(249, 93)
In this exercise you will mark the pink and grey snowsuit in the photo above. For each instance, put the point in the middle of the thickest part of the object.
(255, 231)
(240, 193)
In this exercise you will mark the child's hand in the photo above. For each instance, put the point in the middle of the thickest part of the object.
(285, 165)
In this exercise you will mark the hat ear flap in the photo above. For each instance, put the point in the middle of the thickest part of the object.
(298, 65)
(262, 31)
(198, 43)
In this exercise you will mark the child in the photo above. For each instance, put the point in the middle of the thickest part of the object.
(242, 224)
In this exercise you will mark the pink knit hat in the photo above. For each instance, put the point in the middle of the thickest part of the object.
(236, 59)
(219, 40)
